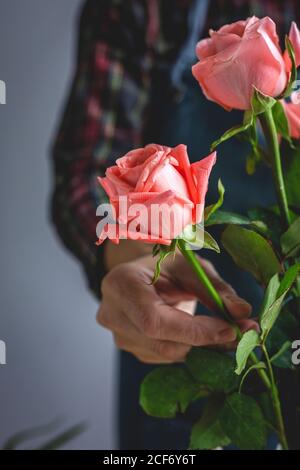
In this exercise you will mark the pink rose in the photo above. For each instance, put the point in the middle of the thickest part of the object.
(292, 111)
(294, 36)
(155, 177)
(238, 57)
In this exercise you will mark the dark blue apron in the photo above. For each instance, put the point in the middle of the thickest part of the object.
(191, 119)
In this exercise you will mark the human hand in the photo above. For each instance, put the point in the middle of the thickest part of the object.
(156, 322)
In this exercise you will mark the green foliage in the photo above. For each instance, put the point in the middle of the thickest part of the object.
(253, 158)
(234, 131)
(293, 77)
(251, 252)
(210, 243)
(288, 279)
(274, 297)
(270, 294)
(281, 122)
(197, 237)
(279, 339)
(247, 344)
(267, 222)
(167, 390)
(261, 103)
(290, 240)
(257, 245)
(207, 432)
(292, 176)
(280, 355)
(269, 316)
(193, 235)
(214, 207)
(212, 369)
(256, 366)
(243, 422)
(265, 402)
(162, 251)
(224, 218)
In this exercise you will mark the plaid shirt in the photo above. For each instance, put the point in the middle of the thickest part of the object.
(120, 45)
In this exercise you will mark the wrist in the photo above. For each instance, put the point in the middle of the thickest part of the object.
(124, 252)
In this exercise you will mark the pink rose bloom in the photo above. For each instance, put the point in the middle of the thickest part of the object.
(292, 111)
(238, 57)
(294, 36)
(155, 176)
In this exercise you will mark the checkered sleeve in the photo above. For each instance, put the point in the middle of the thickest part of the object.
(103, 119)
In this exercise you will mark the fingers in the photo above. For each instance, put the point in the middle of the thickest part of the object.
(163, 322)
(236, 306)
(130, 339)
(239, 308)
(244, 326)
(152, 351)
(155, 330)
(183, 275)
(248, 324)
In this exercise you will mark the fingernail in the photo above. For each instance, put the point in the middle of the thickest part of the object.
(242, 302)
(254, 326)
(226, 335)
(237, 301)
(238, 304)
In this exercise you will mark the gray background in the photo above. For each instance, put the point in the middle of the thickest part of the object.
(59, 361)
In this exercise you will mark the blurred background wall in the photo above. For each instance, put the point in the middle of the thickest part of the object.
(59, 361)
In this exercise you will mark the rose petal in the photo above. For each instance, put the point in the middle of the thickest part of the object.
(240, 61)
(201, 171)
(180, 153)
(294, 36)
(292, 111)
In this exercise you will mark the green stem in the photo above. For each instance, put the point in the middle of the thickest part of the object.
(269, 381)
(276, 402)
(269, 127)
(202, 276)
